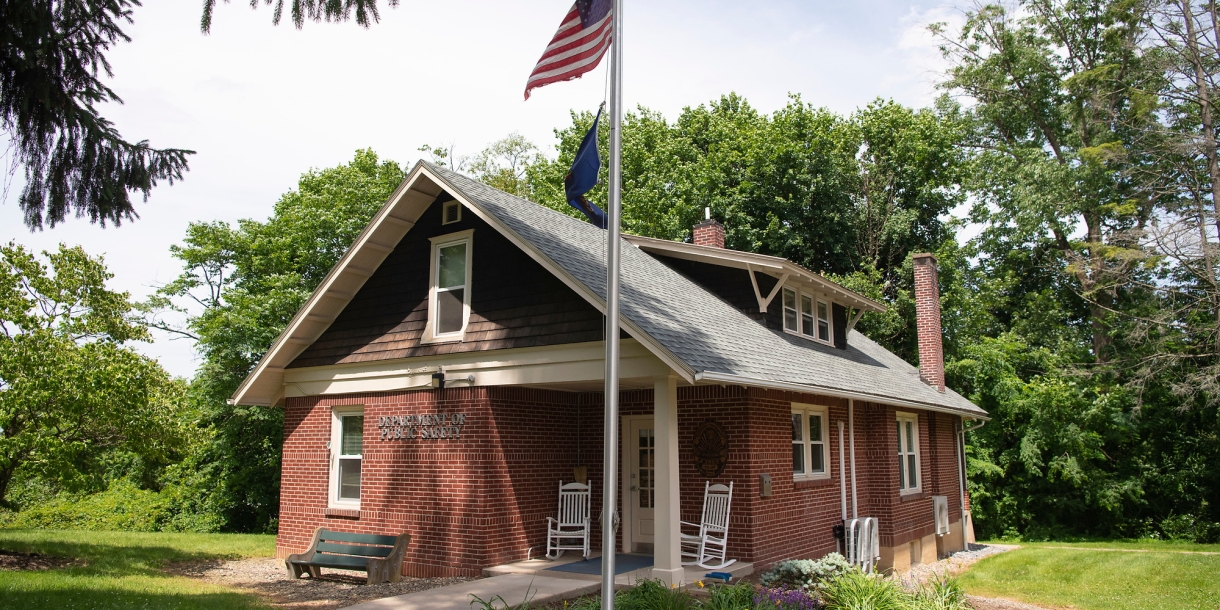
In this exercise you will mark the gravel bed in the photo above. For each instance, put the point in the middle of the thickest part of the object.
(955, 563)
(267, 579)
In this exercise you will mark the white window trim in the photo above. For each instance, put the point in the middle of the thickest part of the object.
(815, 299)
(438, 242)
(903, 417)
(805, 410)
(335, 446)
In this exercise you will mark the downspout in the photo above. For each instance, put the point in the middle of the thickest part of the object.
(851, 433)
(961, 468)
(842, 473)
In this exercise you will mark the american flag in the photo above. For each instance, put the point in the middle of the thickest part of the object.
(577, 47)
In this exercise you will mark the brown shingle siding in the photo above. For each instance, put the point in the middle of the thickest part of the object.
(514, 302)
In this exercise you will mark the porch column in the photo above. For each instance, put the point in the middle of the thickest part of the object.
(667, 558)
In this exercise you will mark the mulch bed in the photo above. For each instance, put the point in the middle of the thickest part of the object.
(267, 579)
(14, 561)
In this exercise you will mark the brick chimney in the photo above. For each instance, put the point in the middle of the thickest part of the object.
(927, 321)
(709, 232)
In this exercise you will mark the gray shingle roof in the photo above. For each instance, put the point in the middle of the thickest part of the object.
(696, 326)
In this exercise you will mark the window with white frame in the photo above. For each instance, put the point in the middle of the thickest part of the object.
(908, 452)
(809, 450)
(347, 455)
(806, 315)
(449, 302)
(791, 311)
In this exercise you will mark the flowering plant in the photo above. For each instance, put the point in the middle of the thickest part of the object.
(784, 598)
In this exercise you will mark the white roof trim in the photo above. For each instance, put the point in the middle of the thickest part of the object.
(725, 378)
(749, 261)
(265, 383)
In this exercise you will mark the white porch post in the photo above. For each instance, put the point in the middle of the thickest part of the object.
(667, 558)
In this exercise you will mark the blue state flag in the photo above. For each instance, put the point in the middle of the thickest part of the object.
(583, 177)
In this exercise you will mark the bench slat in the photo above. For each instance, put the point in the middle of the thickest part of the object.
(334, 536)
(348, 549)
(344, 562)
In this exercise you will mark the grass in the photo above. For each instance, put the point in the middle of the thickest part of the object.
(1159, 576)
(123, 570)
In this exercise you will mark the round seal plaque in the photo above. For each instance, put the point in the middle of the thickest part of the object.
(711, 448)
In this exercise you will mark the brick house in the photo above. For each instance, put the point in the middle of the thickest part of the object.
(502, 298)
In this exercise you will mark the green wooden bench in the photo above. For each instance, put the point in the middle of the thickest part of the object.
(379, 556)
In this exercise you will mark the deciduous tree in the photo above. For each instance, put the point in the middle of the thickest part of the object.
(69, 383)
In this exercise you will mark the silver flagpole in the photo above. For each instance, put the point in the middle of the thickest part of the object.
(610, 465)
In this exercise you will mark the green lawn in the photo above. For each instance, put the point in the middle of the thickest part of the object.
(123, 569)
(1158, 576)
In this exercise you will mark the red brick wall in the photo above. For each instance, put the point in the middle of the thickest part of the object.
(483, 499)
(708, 233)
(903, 518)
(479, 500)
(927, 321)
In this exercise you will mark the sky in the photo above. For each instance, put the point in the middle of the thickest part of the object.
(262, 104)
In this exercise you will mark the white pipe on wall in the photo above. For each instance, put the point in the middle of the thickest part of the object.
(961, 477)
(851, 433)
(842, 473)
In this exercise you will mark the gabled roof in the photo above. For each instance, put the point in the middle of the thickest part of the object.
(698, 335)
(749, 261)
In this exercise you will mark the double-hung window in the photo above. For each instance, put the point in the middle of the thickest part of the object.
(809, 448)
(449, 302)
(347, 455)
(806, 315)
(908, 452)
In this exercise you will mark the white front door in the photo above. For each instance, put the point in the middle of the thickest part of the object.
(641, 489)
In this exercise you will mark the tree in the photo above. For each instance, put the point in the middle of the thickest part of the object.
(505, 164)
(313, 10)
(52, 53)
(1185, 173)
(240, 286)
(1057, 87)
(69, 384)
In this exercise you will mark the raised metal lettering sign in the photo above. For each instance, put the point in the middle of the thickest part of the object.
(423, 427)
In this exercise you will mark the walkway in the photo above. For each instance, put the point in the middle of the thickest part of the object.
(514, 581)
(512, 587)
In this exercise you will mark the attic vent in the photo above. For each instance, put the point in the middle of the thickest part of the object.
(452, 212)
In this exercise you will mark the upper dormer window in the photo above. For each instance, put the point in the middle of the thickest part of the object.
(806, 315)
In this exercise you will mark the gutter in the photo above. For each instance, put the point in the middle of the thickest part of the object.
(801, 387)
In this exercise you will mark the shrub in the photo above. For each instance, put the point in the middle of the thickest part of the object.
(1189, 528)
(123, 506)
(944, 594)
(731, 597)
(856, 590)
(806, 574)
(653, 595)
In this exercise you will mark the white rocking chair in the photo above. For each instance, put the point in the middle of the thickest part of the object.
(570, 532)
(708, 548)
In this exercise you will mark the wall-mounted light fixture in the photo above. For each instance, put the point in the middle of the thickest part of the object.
(438, 378)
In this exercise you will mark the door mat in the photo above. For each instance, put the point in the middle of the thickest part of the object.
(622, 565)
